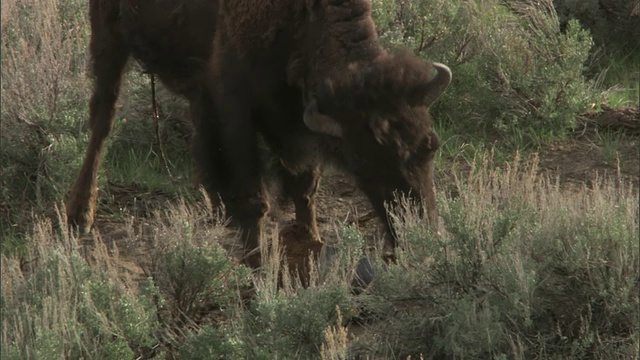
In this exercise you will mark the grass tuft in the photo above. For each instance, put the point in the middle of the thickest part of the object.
(522, 269)
(68, 300)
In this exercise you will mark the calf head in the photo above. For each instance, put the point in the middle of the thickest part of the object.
(380, 111)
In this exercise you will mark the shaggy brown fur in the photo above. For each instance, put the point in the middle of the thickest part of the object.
(271, 62)
(253, 25)
(329, 55)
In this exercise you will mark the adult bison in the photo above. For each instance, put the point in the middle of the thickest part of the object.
(309, 76)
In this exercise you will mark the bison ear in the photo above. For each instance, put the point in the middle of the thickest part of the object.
(319, 122)
(439, 83)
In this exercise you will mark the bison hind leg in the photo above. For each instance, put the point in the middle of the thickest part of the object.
(109, 54)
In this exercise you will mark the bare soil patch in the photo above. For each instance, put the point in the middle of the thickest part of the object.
(606, 144)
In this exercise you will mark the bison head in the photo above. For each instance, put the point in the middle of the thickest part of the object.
(380, 113)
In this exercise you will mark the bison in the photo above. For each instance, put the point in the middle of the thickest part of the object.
(309, 77)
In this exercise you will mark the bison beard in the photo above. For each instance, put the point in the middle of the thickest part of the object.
(309, 77)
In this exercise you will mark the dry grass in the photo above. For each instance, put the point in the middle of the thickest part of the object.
(522, 268)
(7, 8)
(46, 60)
(65, 300)
(336, 341)
(44, 95)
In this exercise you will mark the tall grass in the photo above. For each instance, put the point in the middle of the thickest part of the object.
(523, 269)
(68, 302)
(44, 96)
(72, 298)
(45, 100)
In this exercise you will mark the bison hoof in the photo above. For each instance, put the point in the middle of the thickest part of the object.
(80, 221)
(363, 276)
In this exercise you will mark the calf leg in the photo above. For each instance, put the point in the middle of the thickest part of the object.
(301, 188)
(109, 56)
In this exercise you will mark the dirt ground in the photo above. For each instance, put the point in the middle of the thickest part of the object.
(587, 157)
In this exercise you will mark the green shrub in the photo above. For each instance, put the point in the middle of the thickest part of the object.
(613, 23)
(193, 270)
(197, 278)
(44, 94)
(286, 320)
(59, 306)
(615, 58)
(289, 327)
(520, 270)
(515, 72)
(211, 343)
(293, 324)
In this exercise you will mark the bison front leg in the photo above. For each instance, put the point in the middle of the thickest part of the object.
(226, 153)
(109, 58)
(301, 188)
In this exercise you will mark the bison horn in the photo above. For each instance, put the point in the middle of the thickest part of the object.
(319, 122)
(439, 83)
